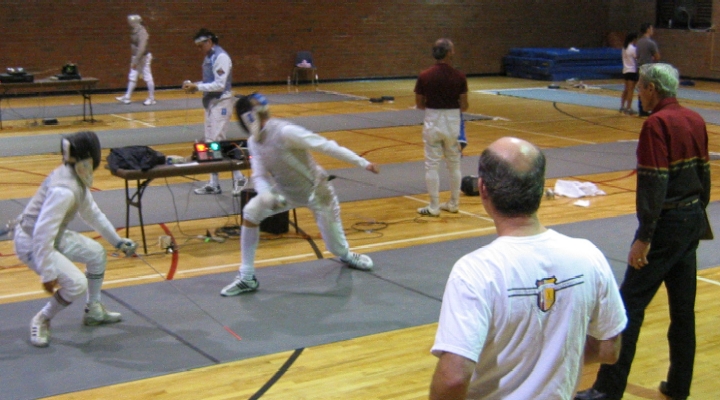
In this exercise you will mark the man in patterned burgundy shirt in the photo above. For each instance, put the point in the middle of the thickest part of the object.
(673, 190)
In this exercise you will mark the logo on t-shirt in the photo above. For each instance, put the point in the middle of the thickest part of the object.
(545, 290)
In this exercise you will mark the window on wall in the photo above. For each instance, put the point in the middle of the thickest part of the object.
(684, 14)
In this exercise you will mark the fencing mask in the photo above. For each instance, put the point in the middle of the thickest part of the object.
(247, 109)
(134, 20)
(82, 151)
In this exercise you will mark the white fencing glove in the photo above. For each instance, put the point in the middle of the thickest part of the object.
(127, 246)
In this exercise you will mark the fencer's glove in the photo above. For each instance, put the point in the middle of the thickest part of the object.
(127, 246)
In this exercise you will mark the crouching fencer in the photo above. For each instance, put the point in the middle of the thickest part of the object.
(286, 176)
(43, 242)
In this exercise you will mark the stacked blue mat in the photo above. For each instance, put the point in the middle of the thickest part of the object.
(555, 64)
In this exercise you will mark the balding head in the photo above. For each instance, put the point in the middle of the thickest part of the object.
(442, 49)
(513, 174)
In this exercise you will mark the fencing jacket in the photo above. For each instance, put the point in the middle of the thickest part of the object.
(58, 200)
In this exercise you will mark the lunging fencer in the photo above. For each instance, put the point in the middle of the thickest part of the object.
(286, 176)
(140, 61)
(217, 100)
(43, 242)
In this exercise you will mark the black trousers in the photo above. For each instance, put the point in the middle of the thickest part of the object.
(671, 260)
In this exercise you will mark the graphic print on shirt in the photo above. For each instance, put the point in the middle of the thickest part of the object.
(545, 290)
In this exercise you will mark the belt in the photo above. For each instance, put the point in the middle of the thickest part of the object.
(679, 204)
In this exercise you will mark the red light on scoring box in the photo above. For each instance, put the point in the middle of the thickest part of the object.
(201, 147)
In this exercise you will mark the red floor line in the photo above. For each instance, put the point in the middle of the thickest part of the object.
(175, 256)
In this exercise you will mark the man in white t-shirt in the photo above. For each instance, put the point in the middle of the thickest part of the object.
(521, 314)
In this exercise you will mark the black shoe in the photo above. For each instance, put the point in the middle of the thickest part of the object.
(664, 390)
(643, 114)
(592, 394)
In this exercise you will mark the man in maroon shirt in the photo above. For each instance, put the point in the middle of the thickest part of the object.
(673, 190)
(441, 91)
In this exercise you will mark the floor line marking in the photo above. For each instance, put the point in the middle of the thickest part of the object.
(459, 211)
(535, 133)
(133, 120)
(710, 281)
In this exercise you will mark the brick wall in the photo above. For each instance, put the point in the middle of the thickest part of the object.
(350, 39)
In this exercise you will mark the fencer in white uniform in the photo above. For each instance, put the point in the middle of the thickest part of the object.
(140, 61)
(218, 101)
(43, 242)
(286, 176)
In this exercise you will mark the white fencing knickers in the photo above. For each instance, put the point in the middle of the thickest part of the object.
(143, 68)
(72, 247)
(441, 129)
(324, 206)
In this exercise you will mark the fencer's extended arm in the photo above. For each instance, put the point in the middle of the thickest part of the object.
(302, 138)
(91, 214)
(58, 202)
(221, 71)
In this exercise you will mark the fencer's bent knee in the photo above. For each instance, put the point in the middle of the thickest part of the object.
(133, 75)
(260, 207)
(74, 287)
(96, 264)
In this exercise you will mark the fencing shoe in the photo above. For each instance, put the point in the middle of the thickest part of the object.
(208, 189)
(123, 99)
(149, 102)
(40, 330)
(358, 261)
(428, 212)
(96, 314)
(239, 286)
(449, 208)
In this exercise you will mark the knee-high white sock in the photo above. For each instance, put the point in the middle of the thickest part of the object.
(455, 181)
(151, 89)
(432, 181)
(249, 238)
(130, 89)
(54, 306)
(95, 282)
(214, 179)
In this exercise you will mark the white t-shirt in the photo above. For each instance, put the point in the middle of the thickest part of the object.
(521, 307)
(629, 57)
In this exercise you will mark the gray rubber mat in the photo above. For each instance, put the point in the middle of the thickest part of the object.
(191, 102)
(163, 204)
(43, 144)
(171, 327)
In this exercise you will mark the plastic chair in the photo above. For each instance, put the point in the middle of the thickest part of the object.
(304, 64)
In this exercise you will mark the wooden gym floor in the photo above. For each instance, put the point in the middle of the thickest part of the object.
(391, 365)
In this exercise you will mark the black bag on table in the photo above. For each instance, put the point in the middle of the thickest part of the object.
(134, 158)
